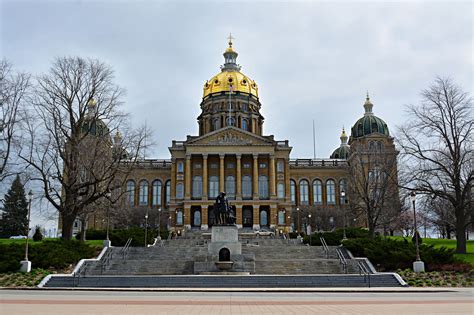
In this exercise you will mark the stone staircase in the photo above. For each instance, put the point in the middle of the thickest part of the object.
(272, 263)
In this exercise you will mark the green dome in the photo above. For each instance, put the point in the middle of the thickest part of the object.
(369, 123)
(343, 151)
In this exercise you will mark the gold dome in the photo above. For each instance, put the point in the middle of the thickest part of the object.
(222, 82)
(230, 76)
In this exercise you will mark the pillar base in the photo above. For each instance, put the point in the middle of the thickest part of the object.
(25, 266)
(418, 266)
(204, 227)
(256, 227)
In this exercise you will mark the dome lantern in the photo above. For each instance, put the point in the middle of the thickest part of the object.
(368, 105)
(230, 58)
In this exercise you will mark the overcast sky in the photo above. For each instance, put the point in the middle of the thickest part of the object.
(311, 59)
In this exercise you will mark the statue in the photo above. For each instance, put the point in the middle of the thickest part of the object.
(223, 213)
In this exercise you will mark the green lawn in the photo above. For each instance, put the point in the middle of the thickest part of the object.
(437, 242)
(97, 243)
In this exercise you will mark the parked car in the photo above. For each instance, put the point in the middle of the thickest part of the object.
(264, 233)
(17, 237)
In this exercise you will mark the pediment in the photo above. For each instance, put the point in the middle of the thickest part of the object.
(230, 136)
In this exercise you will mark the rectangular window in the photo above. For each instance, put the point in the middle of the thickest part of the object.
(263, 165)
(230, 165)
(246, 165)
(197, 165)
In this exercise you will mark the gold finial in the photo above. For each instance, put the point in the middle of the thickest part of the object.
(367, 98)
(343, 136)
(230, 38)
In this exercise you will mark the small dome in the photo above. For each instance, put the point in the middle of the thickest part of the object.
(369, 123)
(230, 77)
(344, 149)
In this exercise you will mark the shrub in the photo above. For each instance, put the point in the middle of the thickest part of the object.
(119, 237)
(38, 236)
(392, 254)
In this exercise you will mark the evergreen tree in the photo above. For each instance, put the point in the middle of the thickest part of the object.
(15, 211)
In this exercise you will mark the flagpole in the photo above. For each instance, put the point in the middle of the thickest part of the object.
(314, 142)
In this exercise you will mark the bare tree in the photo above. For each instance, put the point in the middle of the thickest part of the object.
(13, 90)
(437, 142)
(373, 184)
(76, 112)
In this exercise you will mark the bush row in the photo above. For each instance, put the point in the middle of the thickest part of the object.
(119, 237)
(57, 254)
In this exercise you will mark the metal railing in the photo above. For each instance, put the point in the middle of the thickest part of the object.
(364, 271)
(106, 260)
(325, 246)
(342, 259)
(124, 250)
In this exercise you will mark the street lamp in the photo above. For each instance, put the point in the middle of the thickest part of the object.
(298, 214)
(343, 195)
(146, 226)
(159, 223)
(107, 240)
(309, 219)
(25, 265)
(418, 265)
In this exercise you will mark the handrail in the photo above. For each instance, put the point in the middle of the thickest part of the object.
(342, 259)
(124, 250)
(363, 270)
(105, 263)
(325, 246)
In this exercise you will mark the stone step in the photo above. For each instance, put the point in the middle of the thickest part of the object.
(274, 281)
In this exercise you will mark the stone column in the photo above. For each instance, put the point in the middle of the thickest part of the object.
(273, 216)
(204, 178)
(204, 223)
(256, 217)
(287, 180)
(238, 214)
(187, 176)
(221, 172)
(187, 217)
(172, 183)
(239, 178)
(272, 177)
(255, 177)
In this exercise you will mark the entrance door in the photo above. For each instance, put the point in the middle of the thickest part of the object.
(264, 216)
(196, 216)
(247, 216)
(210, 216)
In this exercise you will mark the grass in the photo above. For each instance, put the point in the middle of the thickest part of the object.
(95, 243)
(21, 279)
(439, 242)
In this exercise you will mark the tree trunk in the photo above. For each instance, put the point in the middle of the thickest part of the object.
(460, 237)
(67, 227)
(83, 229)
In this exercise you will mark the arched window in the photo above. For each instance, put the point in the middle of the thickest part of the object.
(143, 193)
(245, 124)
(331, 192)
(317, 192)
(216, 123)
(156, 191)
(179, 191)
(293, 191)
(179, 217)
(379, 146)
(131, 193)
(197, 218)
(263, 186)
(230, 186)
(304, 192)
(281, 190)
(180, 167)
(263, 218)
(168, 192)
(197, 187)
(246, 186)
(213, 186)
(230, 121)
(343, 188)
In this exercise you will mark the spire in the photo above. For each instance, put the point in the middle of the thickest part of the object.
(230, 57)
(343, 137)
(368, 105)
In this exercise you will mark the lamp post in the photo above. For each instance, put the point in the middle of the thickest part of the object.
(418, 265)
(343, 195)
(298, 214)
(146, 226)
(311, 232)
(107, 240)
(25, 265)
(159, 223)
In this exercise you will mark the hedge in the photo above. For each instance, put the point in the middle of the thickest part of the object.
(57, 254)
(119, 237)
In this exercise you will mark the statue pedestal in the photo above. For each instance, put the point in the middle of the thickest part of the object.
(224, 237)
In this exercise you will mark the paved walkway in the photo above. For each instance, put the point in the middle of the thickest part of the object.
(119, 302)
